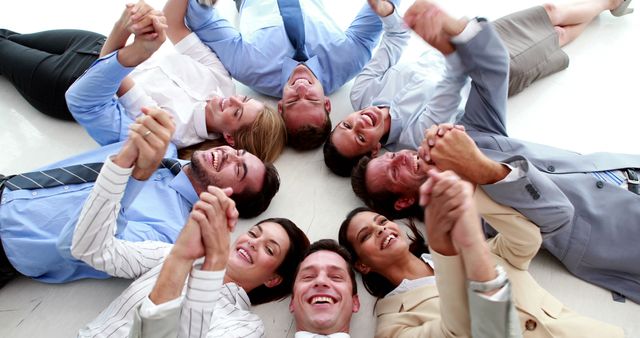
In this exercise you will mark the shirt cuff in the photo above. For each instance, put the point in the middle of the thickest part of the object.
(470, 31)
(514, 175)
(200, 121)
(392, 21)
(135, 94)
(203, 285)
(113, 178)
(149, 310)
(112, 69)
(502, 295)
(187, 42)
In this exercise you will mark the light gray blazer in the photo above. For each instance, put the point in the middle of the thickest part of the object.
(595, 225)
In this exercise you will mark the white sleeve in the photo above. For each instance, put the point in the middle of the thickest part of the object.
(370, 81)
(135, 99)
(93, 238)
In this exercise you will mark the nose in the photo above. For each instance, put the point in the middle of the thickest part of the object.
(252, 244)
(381, 229)
(321, 280)
(236, 100)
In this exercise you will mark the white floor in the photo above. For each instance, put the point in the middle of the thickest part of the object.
(586, 108)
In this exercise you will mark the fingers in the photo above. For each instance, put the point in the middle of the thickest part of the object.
(160, 116)
(228, 205)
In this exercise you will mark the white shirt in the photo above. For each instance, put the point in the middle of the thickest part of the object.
(180, 84)
(207, 306)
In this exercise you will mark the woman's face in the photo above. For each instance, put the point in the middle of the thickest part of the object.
(256, 254)
(229, 114)
(377, 241)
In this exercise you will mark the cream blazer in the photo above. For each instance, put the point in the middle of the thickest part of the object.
(443, 310)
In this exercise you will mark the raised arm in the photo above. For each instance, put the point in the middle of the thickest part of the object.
(93, 239)
(175, 11)
(372, 79)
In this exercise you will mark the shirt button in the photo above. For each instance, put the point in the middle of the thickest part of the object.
(66, 187)
(551, 168)
(158, 177)
(33, 193)
(599, 184)
(530, 325)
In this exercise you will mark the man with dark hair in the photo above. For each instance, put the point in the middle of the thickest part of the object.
(396, 101)
(325, 293)
(39, 210)
(274, 54)
(582, 203)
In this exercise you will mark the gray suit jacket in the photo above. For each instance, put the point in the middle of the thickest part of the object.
(595, 225)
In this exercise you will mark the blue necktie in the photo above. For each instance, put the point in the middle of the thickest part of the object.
(74, 174)
(294, 26)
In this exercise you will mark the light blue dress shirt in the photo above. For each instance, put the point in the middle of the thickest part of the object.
(36, 226)
(260, 55)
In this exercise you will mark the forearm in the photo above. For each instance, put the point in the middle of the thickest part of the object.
(93, 238)
(171, 280)
(175, 11)
(370, 81)
(117, 39)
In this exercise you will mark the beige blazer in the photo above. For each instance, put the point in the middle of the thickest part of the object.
(443, 311)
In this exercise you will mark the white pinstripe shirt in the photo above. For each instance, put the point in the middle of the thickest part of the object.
(208, 308)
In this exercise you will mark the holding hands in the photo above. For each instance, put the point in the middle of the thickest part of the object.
(381, 7)
(449, 147)
(433, 25)
(149, 137)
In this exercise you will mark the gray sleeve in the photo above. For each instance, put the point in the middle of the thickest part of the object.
(535, 195)
(493, 319)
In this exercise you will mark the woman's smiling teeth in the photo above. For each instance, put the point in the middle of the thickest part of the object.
(387, 241)
(244, 254)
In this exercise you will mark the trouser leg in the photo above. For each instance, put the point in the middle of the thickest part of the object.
(43, 65)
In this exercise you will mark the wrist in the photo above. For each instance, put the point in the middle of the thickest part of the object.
(215, 263)
(122, 161)
(387, 9)
(132, 55)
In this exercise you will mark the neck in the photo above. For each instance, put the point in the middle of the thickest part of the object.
(229, 278)
(189, 172)
(409, 267)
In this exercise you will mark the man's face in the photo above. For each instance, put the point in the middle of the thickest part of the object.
(227, 167)
(230, 114)
(401, 173)
(359, 133)
(322, 300)
(303, 101)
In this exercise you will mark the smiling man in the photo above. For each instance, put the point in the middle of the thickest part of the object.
(300, 60)
(39, 210)
(325, 293)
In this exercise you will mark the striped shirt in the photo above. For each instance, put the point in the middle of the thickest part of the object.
(207, 308)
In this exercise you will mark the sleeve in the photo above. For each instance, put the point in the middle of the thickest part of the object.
(446, 311)
(134, 100)
(93, 238)
(192, 47)
(368, 84)
(518, 240)
(493, 318)
(535, 195)
(92, 101)
(225, 40)
(486, 61)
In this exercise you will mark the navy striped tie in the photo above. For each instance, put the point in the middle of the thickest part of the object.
(74, 174)
(294, 26)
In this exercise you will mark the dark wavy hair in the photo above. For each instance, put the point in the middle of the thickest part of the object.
(298, 245)
(308, 136)
(333, 246)
(253, 203)
(376, 284)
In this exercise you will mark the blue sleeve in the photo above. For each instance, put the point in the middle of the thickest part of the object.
(92, 101)
(237, 56)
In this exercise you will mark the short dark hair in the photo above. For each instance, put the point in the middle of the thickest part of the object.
(382, 201)
(339, 164)
(333, 246)
(308, 136)
(376, 284)
(253, 203)
(298, 245)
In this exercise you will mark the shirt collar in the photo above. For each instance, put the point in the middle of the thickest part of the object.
(183, 186)
(289, 64)
(395, 129)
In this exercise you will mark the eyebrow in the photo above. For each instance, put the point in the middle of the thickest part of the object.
(244, 166)
(246, 99)
(270, 240)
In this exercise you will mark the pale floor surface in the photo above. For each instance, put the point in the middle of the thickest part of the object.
(587, 108)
